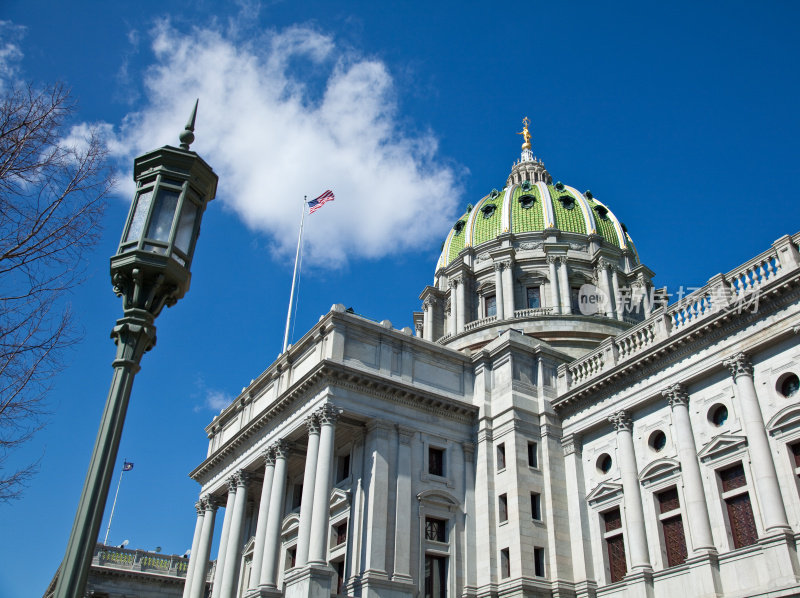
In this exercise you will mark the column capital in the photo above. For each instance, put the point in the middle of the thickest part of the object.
(572, 444)
(269, 456)
(209, 502)
(281, 449)
(242, 478)
(739, 365)
(232, 481)
(312, 423)
(429, 302)
(552, 259)
(405, 434)
(328, 414)
(199, 507)
(455, 280)
(676, 395)
(621, 421)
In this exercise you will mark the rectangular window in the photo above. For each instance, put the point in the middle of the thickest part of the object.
(574, 293)
(536, 506)
(534, 298)
(435, 529)
(501, 456)
(505, 564)
(533, 455)
(297, 495)
(343, 467)
(436, 461)
(538, 562)
(341, 533)
(491, 306)
(737, 504)
(339, 576)
(795, 450)
(502, 504)
(435, 576)
(615, 545)
(672, 526)
(292, 556)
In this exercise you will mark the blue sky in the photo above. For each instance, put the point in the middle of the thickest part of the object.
(680, 116)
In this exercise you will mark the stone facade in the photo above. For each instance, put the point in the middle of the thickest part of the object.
(643, 449)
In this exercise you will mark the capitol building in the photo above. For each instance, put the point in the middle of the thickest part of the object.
(553, 425)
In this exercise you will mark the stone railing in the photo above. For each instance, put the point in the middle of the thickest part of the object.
(533, 311)
(479, 323)
(140, 560)
(734, 292)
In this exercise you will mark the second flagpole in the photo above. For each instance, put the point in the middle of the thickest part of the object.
(294, 276)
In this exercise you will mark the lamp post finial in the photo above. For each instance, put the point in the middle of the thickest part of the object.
(187, 136)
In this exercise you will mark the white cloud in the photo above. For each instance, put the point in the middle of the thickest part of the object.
(10, 53)
(291, 113)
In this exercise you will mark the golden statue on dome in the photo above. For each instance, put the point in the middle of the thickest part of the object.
(525, 134)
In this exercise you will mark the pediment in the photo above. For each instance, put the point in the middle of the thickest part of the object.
(604, 492)
(721, 446)
(339, 499)
(248, 548)
(438, 498)
(659, 470)
(784, 421)
(290, 522)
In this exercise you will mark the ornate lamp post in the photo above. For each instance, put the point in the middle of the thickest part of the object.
(150, 270)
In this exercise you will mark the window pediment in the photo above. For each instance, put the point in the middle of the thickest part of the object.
(604, 492)
(659, 471)
(784, 421)
(722, 446)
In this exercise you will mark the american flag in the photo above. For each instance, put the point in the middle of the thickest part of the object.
(127, 466)
(317, 203)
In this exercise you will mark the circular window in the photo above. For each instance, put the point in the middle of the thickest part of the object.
(604, 463)
(718, 415)
(789, 385)
(657, 441)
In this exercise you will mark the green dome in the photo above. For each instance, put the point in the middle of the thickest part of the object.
(529, 207)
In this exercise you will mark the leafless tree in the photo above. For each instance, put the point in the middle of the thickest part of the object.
(53, 183)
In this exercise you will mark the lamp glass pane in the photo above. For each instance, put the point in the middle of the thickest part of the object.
(183, 238)
(139, 215)
(163, 212)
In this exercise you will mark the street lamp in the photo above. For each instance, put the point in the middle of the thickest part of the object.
(150, 270)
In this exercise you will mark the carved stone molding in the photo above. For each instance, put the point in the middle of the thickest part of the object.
(498, 266)
(281, 449)
(405, 434)
(209, 503)
(429, 302)
(571, 444)
(676, 395)
(739, 365)
(552, 259)
(242, 477)
(269, 456)
(530, 246)
(328, 414)
(621, 421)
(232, 484)
(312, 424)
(200, 507)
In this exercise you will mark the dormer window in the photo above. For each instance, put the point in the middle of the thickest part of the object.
(602, 212)
(494, 194)
(526, 201)
(567, 201)
(560, 186)
(488, 210)
(526, 185)
(459, 226)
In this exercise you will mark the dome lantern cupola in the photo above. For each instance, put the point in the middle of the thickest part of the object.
(528, 167)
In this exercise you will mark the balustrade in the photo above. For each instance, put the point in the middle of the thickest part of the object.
(139, 560)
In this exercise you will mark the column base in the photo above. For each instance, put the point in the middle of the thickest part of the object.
(704, 570)
(264, 592)
(780, 555)
(586, 589)
(311, 581)
(377, 585)
(640, 583)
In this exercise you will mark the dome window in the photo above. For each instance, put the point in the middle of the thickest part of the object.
(494, 194)
(526, 201)
(624, 228)
(459, 226)
(567, 201)
(602, 212)
(526, 185)
(588, 194)
(488, 210)
(560, 186)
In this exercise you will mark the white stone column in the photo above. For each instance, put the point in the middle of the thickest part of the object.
(498, 289)
(470, 521)
(765, 477)
(427, 318)
(460, 300)
(261, 522)
(696, 508)
(402, 536)
(233, 553)
(320, 519)
(307, 501)
(198, 530)
(222, 552)
(563, 285)
(453, 284)
(204, 548)
(634, 512)
(554, 294)
(602, 282)
(580, 544)
(273, 534)
(377, 444)
(508, 288)
(615, 301)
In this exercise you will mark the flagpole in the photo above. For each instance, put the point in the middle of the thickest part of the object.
(294, 276)
(114, 505)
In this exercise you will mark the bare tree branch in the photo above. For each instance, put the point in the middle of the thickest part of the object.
(52, 194)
